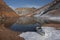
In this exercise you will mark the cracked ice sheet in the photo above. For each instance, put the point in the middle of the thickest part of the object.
(50, 34)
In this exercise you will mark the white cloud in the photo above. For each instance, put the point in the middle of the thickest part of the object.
(32, 6)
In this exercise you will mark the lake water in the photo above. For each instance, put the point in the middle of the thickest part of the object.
(24, 28)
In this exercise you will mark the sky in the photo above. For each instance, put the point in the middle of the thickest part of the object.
(26, 3)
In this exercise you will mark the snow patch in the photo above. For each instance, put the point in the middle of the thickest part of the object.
(50, 34)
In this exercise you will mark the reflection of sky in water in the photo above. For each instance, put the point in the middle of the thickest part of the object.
(23, 28)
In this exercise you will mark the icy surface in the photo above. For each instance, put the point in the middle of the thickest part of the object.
(50, 34)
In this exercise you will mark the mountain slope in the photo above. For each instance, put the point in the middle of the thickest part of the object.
(5, 10)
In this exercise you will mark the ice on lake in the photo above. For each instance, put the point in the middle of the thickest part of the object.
(50, 34)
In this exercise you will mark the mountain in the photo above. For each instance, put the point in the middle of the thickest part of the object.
(5, 10)
(24, 11)
(54, 13)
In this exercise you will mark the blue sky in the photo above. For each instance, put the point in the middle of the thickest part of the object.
(26, 3)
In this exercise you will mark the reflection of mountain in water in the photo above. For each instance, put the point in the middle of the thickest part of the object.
(26, 20)
(24, 28)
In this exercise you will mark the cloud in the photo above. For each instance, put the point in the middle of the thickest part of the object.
(30, 6)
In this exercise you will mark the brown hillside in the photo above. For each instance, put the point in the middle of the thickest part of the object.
(6, 11)
(7, 18)
(6, 34)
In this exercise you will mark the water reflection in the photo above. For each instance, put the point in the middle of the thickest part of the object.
(23, 28)
(11, 23)
(8, 21)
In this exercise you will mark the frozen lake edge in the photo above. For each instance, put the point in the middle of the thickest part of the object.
(50, 34)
